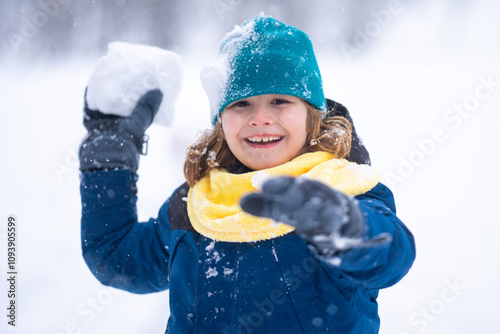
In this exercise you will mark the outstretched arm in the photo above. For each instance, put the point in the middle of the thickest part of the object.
(383, 265)
(362, 236)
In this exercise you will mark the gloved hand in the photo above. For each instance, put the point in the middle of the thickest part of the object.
(327, 219)
(114, 141)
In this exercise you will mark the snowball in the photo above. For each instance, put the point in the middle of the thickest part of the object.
(128, 71)
(259, 178)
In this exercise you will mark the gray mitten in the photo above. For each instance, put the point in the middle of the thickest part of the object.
(114, 141)
(327, 219)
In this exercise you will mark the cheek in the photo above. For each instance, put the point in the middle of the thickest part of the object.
(301, 136)
(297, 125)
(229, 128)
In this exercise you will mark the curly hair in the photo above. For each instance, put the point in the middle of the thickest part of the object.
(331, 134)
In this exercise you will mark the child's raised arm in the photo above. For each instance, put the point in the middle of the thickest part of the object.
(119, 251)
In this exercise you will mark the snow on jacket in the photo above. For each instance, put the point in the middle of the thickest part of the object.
(272, 286)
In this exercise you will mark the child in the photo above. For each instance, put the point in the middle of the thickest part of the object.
(273, 232)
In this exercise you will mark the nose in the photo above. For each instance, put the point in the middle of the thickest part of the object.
(261, 116)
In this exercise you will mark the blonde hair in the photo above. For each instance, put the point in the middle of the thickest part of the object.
(331, 134)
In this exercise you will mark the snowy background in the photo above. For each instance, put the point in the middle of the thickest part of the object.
(421, 79)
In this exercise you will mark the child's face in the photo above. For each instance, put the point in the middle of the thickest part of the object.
(266, 130)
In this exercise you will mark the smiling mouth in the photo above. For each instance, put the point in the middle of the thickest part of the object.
(256, 140)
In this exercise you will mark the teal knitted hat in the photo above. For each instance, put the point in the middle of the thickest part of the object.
(263, 56)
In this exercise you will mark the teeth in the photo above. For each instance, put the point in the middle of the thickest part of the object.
(263, 139)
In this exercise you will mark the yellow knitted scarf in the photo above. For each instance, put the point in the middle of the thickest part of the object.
(213, 201)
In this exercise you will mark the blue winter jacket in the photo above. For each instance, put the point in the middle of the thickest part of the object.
(273, 286)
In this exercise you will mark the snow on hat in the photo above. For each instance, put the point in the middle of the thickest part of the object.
(263, 56)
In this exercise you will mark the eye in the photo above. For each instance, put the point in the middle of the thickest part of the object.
(239, 104)
(279, 101)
